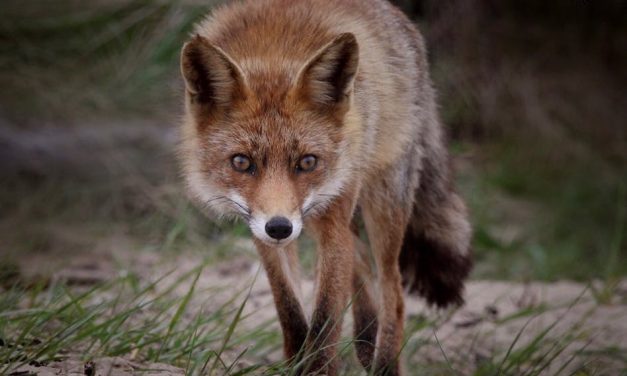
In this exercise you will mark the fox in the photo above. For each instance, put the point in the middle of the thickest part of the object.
(321, 116)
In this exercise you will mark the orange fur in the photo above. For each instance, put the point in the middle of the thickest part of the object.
(274, 82)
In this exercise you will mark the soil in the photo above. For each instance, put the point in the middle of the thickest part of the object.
(494, 314)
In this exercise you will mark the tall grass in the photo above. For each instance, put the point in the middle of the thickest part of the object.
(72, 59)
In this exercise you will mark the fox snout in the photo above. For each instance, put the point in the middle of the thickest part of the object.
(277, 229)
(275, 214)
(271, 218)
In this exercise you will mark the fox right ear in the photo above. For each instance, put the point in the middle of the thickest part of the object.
(327, 78)
(212, 78)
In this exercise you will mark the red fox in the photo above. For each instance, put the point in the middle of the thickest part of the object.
(320, 114)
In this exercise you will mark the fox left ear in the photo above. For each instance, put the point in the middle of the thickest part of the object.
(212, 79)
(327, 78)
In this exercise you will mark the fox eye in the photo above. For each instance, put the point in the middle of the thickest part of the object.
(242, 163)
(307, 163)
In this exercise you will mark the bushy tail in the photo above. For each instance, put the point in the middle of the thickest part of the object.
(436, 257)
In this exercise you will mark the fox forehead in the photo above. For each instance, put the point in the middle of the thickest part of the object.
(271, 136)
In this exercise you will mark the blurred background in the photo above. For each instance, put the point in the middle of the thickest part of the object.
(532, 93)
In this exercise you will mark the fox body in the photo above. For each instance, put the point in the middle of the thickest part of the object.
(308, 114)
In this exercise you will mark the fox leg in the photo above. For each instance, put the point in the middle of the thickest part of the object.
(364, 306)
(386, 217)
(281, 266)
(336, 256)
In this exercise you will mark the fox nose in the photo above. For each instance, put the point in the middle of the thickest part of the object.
(279, 228)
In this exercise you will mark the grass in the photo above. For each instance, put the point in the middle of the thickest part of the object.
(74, 59)
(537, 219)
(119, 318)
(202, 329)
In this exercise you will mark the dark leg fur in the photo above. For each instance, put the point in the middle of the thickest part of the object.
(365, 323)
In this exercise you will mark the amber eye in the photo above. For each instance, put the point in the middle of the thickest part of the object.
(307, 163)
(241, 163)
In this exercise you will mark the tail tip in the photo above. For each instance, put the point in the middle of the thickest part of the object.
(434, 271)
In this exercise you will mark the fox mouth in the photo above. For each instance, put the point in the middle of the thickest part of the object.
(275, 243)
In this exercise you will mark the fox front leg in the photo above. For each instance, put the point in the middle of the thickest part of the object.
(336, 258)
(364, 304)
(386, 217)
(281, 266)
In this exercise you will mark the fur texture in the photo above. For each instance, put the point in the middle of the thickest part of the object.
(271, 84)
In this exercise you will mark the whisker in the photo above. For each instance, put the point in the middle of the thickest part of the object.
(308, 210)
(215, 198)
(242, 210)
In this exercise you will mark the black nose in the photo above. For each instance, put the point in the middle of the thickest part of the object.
(279, 228)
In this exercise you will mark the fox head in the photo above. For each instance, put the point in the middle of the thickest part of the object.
(266, 138)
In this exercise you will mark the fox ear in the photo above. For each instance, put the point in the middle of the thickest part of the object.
(212, 78)
(327, 78)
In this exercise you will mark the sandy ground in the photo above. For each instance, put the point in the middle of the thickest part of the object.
(485, 326)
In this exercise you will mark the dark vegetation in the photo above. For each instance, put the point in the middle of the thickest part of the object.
(532, 93)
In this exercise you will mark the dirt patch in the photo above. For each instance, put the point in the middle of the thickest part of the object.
(98, 367)
(562, 314)
(498, 318)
